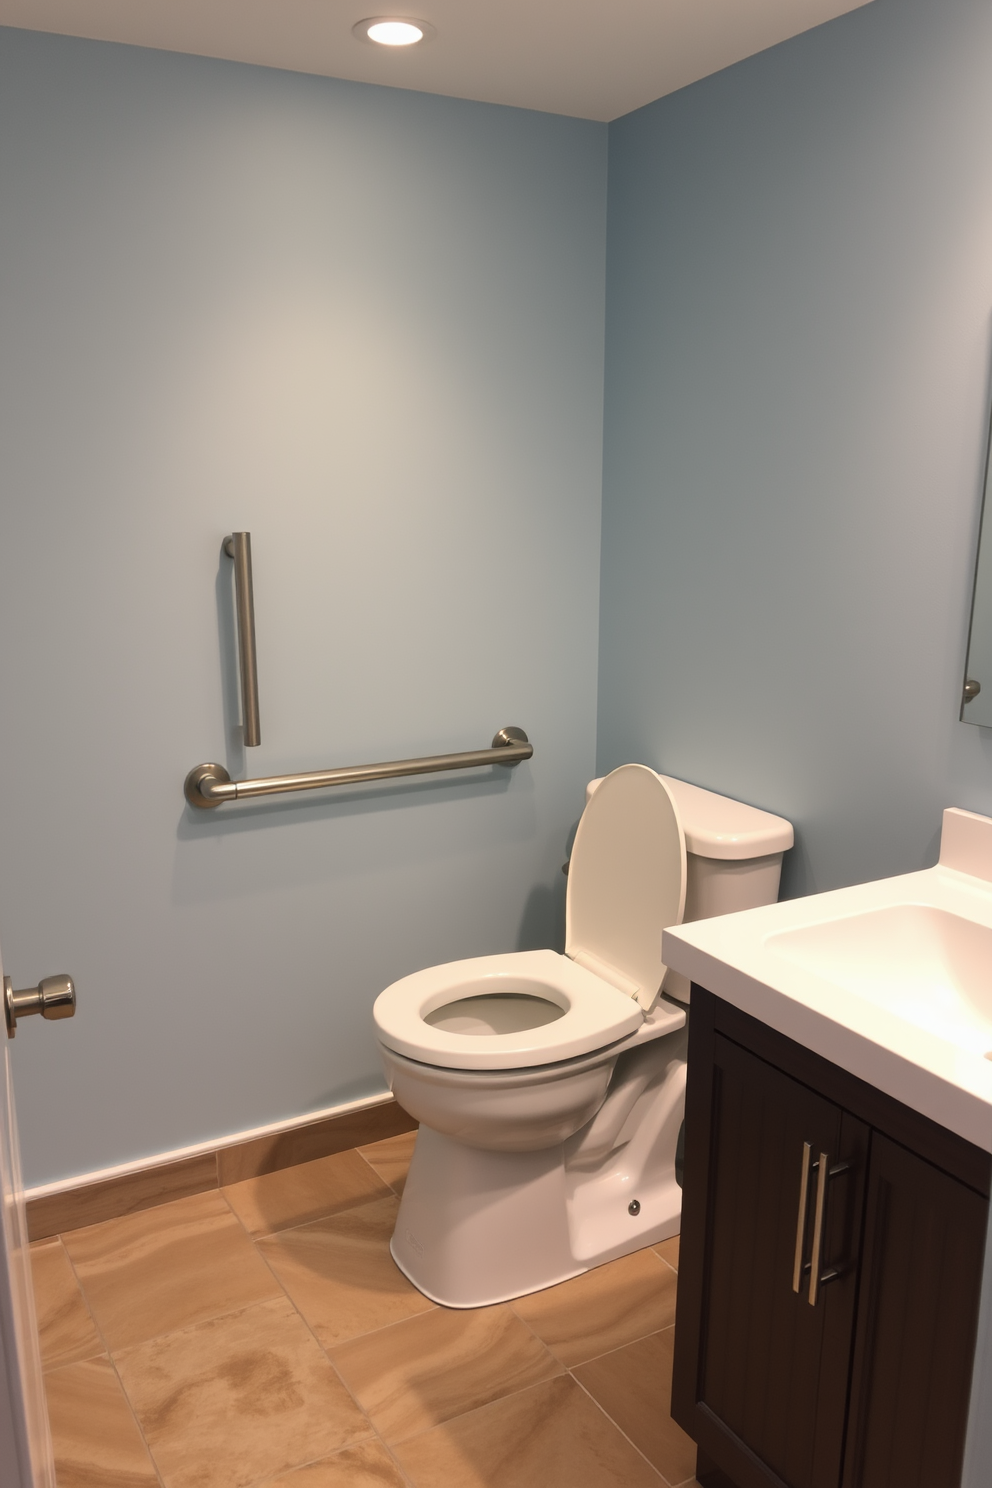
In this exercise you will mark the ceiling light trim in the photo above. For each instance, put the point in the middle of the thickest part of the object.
(362, 28)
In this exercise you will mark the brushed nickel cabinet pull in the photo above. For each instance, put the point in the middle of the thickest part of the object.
(798, 1268)
(823, 1173)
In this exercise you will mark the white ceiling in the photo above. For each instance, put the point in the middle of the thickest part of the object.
(615, 55)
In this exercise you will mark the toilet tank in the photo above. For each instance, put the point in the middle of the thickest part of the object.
(733, 854)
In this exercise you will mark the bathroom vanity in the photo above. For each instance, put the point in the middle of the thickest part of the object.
(837, 1174)
(827, 1311)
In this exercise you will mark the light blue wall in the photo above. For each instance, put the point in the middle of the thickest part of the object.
(799, 327)
(797, 395)
(366, 325)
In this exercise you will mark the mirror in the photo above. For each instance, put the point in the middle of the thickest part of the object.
(976, 701)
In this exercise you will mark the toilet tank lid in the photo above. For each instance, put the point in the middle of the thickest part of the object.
(717, 827)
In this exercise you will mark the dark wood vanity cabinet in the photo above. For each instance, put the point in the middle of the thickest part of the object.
(860, 1377)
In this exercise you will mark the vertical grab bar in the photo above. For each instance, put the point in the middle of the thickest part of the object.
(238, 547)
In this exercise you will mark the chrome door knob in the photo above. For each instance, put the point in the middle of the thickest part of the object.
(54, 997)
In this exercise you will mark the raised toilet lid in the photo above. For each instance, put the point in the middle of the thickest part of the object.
(626, 882)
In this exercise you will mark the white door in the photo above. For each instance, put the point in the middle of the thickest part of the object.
(26, 1459)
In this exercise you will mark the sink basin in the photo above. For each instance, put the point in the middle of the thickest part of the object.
(927, 965)
(891, 980)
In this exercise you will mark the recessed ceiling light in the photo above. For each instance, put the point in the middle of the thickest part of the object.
(394, 31)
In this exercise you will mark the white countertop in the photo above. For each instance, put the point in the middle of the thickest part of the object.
(739, 958)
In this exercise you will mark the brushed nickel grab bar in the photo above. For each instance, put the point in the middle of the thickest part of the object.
(210, 785)
(238, 547)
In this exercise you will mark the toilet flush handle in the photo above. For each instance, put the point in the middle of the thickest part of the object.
(54, 997)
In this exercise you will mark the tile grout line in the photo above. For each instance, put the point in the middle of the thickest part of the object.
(338, 1376)
(396, 1461)
(619, 1428)
(329, 1457)
(113, 1364)
(499, 1400)
(377, 1436)
(371, 1165)
(195, 1323)
(435, 1306)
(273, 1234)
(531, 1329)
(565, 1369)
(485, 1405)
(594, 1358)
(55, 1365)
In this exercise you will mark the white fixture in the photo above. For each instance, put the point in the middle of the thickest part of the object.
(393, 31)
(891, 980)
(734, 856)
(549, 1087)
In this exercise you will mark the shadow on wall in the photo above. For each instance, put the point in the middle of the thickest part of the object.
(542, 925)
(373, 826)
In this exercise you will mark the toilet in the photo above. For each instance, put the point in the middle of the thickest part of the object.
(550, 1088)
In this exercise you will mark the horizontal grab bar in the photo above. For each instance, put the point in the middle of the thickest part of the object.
(211, 785)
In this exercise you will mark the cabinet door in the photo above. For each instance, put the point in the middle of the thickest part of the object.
(917, 1319)
(771, 1373)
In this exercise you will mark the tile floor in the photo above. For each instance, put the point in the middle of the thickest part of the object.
(261, 1335)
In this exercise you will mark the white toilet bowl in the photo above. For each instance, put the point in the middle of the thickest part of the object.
(503, 1110)
(549, 1087)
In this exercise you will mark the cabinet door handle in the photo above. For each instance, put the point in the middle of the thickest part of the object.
(798, 1268)
(823, 1173)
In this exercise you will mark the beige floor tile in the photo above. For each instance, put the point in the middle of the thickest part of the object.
(551, 1436)
(340, 1274)
(417, 1374)
(308, 1191)
(634, 1387)
(367, 1466)
(605, 1308)
(237, 1399)
(165, 1268)
(391, 1158)
(66, 1330)
(669, 1251)
(96, 1441)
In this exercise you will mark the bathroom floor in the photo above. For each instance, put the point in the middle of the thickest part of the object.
(261, 1335)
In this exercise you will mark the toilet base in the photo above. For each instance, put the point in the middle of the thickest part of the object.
(462, 1217)
(477, 1227)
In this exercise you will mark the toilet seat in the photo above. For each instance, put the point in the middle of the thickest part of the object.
(593, 1013)
(626, 883)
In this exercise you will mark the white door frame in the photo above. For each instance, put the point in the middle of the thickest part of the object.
(26, 1459)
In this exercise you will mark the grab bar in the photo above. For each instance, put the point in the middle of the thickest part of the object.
(238, 547)
(210, 785)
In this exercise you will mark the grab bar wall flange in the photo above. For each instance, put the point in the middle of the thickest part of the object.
(209, 785)
(238, 547)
